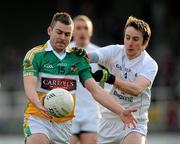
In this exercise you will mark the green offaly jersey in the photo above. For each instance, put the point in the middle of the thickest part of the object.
(52, 72)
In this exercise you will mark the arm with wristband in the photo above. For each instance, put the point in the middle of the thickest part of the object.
(131, 87)
(104, 76)
(134, 88)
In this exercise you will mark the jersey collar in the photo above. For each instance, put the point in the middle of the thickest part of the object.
(136, 58)
(49, 47)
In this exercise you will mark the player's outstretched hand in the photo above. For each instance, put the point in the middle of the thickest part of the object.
(79, 51)
(128, 118)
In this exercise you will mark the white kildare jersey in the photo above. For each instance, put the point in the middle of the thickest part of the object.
(115, 59)
(85, 104)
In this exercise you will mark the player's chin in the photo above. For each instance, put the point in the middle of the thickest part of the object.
(130, 52)
(60, 47)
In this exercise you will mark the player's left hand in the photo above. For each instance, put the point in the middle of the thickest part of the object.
(80, 52)
(128, 118)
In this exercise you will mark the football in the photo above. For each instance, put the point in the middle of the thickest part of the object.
(59, 102)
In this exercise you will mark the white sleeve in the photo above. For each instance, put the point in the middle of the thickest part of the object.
(149, 70)
(105, 55)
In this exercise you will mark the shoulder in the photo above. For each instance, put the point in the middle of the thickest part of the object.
(148, 60)
(72, 44)
(34, 51)
(78, 61)
(115, 47)
(93, 46)
(112, 49)
(75, 57)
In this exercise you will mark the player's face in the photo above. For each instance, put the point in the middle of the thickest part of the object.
(60, 35)
(133, 41)
(82, 33)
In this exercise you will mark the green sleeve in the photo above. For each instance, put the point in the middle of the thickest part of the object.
(85, 71)
(84, 75)
(30, 65)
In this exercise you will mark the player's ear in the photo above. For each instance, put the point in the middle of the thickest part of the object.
(145, 44)
(73, 33)
(90, 32)
(49, 30)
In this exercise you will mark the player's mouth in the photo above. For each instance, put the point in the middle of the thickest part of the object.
(60, 44)
(130, 50)
(82, 37)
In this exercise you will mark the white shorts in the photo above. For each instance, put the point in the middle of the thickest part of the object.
(57, 132)
(84, 124)
(111, 130)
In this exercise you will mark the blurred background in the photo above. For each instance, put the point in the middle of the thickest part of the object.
(24, 25)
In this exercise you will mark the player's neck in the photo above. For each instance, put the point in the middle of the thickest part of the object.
(82, 45)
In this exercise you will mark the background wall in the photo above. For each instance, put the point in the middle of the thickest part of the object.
(24, 25)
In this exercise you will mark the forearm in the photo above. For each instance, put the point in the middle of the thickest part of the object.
(30, 90)
(103, 97)
(128, 87)
(133, 88)
(32, 95)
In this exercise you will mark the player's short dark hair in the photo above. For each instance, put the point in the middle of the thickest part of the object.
(62, 17)
(140, 25)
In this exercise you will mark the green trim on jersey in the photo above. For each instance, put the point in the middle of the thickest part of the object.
(27, 131)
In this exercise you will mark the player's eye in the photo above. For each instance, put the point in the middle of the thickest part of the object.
(59, 32)
(78, 27)
(136, 38)
(86, 28)
(127, 37)
(67, 34)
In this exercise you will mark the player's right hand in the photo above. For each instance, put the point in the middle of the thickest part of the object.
(43, 110)
(128, 118)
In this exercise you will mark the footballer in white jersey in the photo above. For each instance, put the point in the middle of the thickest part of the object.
(133, 71)
(115, 59)
(85, 104)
